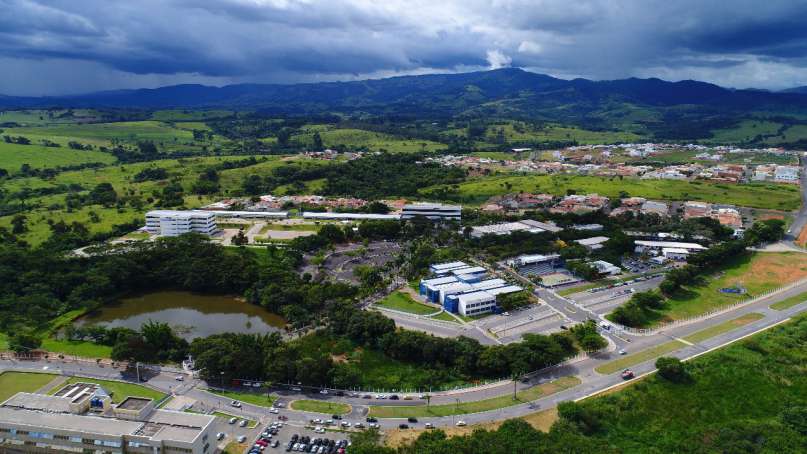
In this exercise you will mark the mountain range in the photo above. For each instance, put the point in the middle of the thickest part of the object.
(507, 91)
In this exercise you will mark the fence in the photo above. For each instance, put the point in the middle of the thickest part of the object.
(719, 311)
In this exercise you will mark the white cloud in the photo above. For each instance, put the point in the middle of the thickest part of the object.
(496, 59)
(530, 47)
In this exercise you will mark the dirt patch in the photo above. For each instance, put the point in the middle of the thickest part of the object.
(339, 359)
(778, 267)
(802, 239)
(767, 216)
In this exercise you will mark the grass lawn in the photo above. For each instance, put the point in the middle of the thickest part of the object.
(445, 316)
(15, 382)
(251, 423)
(758, 272)
(375, 141)
(477, 406)
(400, 301)
(291, 227)
(724, 327)
(259, 399)
(755, 195)
(639, 357)
(77, 348)
(790, 302)
(583, 288)
(119, 390)
(320, 406)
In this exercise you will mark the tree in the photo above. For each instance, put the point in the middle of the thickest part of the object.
(240, 238)
(18, 224)
(318, 146)
(103, 194)
(588, 338)
(283, 137)
(672, 369)
(23, 341)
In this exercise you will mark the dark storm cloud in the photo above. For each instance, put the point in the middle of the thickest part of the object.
(115, 44)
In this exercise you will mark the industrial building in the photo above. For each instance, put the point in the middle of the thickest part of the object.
(606, 268)
(433, 211)
(173, 223)
(593, 243)
(507, 228)
(81, 418)
(536, 264)
(351, 216)
(444, 268)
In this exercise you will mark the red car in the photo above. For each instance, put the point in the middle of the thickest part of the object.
(627, 374)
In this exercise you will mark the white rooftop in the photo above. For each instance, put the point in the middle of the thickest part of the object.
(669, 244)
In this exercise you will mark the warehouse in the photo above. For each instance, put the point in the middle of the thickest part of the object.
(655, 247)
(593, 243)
(536, 264)
(476, 303)
(247, 214)
(173, 223)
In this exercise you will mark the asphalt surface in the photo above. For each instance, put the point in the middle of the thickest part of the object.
(592, 382)
(800, 219)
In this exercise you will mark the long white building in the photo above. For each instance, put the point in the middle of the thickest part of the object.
(433, 211)
(173, 222)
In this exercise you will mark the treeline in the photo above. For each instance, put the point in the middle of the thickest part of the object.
(38, 285)
(643, 308)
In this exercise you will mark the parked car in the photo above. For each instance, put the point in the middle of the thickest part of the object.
(233, 420)
(336, 417)
(243, 423)
(403, 426)
(241, 438)
(179, 378)
(220, 435)
(429, 425)
(461, 423)
(394, 397)
(371, 419)
(412, 420)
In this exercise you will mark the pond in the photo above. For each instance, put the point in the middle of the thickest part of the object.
(191, 315)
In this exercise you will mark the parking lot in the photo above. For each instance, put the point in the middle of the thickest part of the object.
(602, 301)
(341, 263)
(539, 318)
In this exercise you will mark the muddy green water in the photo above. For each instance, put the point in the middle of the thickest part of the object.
(191, 315)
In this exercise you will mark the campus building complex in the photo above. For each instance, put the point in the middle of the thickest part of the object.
(81, 418)
(460, 288)
(173, 223)
(433, 211)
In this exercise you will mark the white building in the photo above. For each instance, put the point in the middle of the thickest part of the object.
(173, 223)
(786, 174)
(83, 422)
(604, 267)
(656, 247)
(676, 254)
(593, 243)
(470, 304)
(433, 211)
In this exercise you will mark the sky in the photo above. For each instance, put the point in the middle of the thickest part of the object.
(52, 47)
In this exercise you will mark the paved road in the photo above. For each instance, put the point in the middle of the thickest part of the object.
(592, 381)
(800, 219)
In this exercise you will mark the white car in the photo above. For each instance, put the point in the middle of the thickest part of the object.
(233, 420)
(324, 391)
(623, 352)
(235, 404)
(319, 430)
(274, 411)
(179, 378)
(461, 423)
(345, 424)
(243, 423)
(220, 435)
(242, 438)
(280, 405)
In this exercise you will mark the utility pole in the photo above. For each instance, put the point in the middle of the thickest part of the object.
(137, 368)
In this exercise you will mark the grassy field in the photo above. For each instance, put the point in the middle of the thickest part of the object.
(757, 273)
(769, 196)
(724, 327)
(259, 399)
(400, 301)
(552, 133)
(186, 171)
(446, 317)
(119, 390)
(13, 156)
(320, 406)
(744, 131)
(359, 138)
(639, 357)
(462, 408)
(37, 117)
(790, 302)
(15, 382)
(77, 348)
(738, 396)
